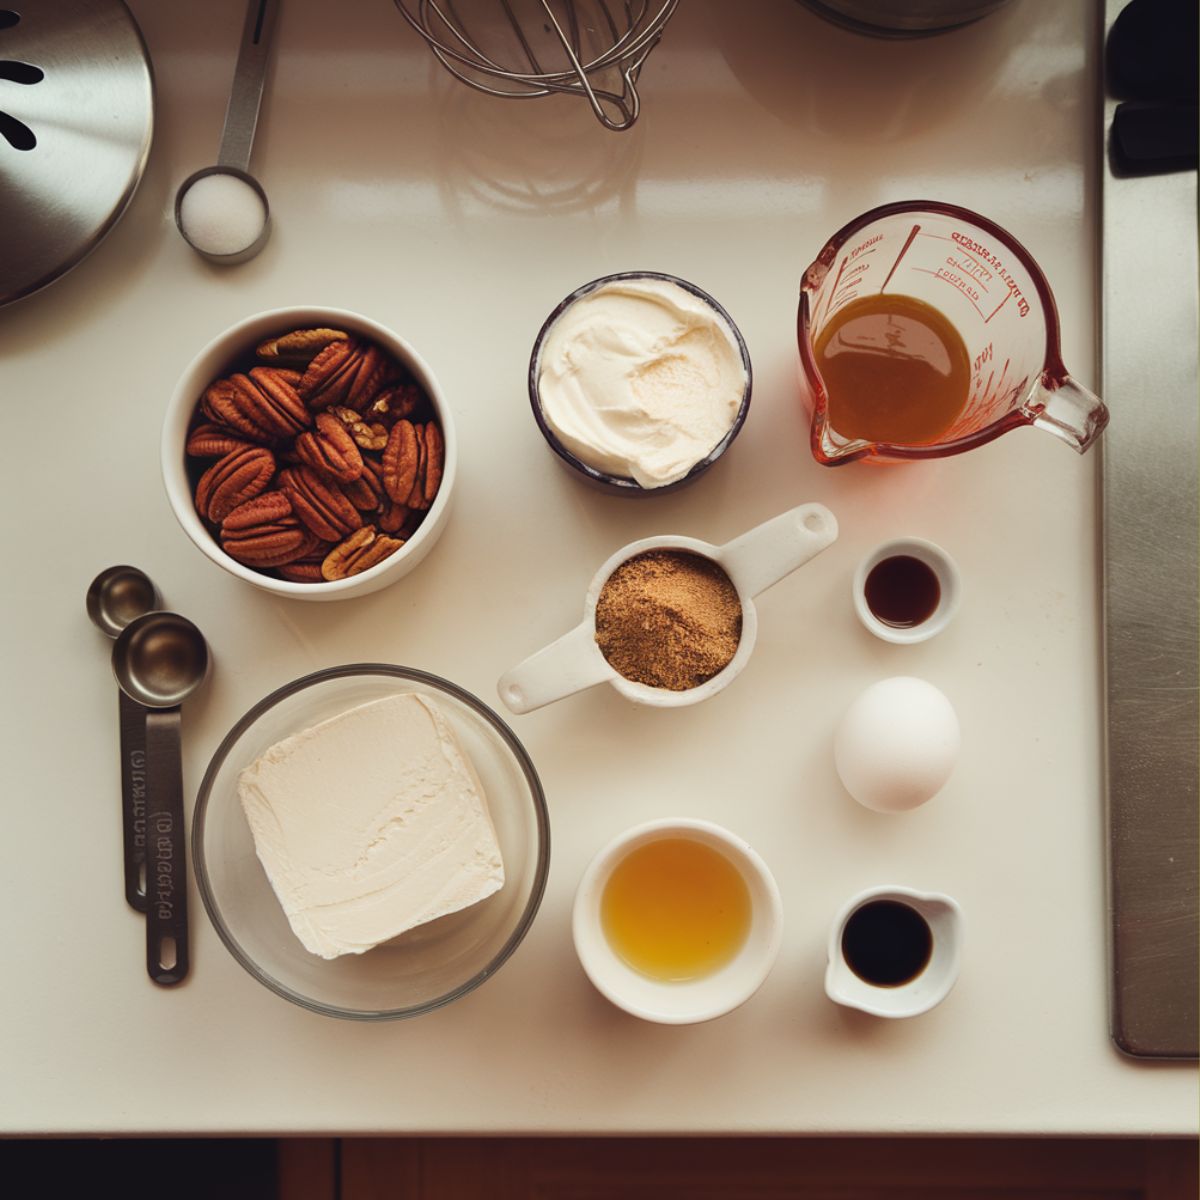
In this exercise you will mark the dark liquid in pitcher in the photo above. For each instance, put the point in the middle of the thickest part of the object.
(895, 370)
(902, 591)
(887, 943)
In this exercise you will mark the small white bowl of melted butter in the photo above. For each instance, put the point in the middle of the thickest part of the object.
(677, 921)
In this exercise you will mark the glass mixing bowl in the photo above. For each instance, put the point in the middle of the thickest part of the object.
(426, 967)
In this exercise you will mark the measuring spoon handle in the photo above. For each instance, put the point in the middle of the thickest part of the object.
(241, 117)
(166, 852)
(133, 798)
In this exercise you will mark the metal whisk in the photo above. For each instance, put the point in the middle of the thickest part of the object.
(519, 49)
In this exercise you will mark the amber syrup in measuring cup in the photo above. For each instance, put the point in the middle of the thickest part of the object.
(895, 370)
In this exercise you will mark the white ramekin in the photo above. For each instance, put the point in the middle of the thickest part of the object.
(949, 583)
(216, 359)
(696, 1000)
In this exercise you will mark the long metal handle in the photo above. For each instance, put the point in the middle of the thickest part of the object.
(241, 117)
(166, 851)
(133, 798)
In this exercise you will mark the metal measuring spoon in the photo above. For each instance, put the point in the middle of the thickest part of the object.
(159, 660)
(231, 195)
(117, 596)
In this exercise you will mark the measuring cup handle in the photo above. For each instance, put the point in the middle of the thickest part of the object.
(566, 666)
(1069, 411)
(767, 553)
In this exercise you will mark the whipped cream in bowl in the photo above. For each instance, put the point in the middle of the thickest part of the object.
(639, 382)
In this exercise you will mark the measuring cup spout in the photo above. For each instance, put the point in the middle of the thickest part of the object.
(1069, 411)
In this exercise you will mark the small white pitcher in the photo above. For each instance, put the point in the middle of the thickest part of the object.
(754, 562)
(921, 993)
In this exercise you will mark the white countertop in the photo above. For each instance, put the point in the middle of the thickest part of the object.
(460, 221)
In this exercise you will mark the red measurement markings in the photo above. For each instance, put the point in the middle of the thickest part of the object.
(955, 281)
(983, 402)
(1000, 385)
(972, 268)
(828, 295)
(981, 408)
(903, 251)
(980, 402)
(998, 307)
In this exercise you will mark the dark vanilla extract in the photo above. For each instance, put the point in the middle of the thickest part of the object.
(902, 591)
(887, 943)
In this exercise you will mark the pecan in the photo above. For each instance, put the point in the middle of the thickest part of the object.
(394, 517)
(348, 374)
(306, 571)
(263, 405)
(330, 449)
(232, 480)
(375, 370)
(360, 551)
(271, 394)
(416, 497)
(213, 441)
(403, 401)
(435, 460)
(367, 436)
(319, 503)
(224, 404)
(323, 385)
(299, 347)
(264, 532)
(401, 461)
(366, 492)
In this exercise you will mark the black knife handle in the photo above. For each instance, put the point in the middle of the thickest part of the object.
(133, 799)
(166, 852)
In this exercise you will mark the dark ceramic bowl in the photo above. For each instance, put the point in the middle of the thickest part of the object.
(621, 485)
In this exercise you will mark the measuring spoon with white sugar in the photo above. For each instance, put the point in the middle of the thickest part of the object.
(222, 211)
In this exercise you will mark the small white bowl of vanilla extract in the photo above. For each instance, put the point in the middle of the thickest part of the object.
(677, 921)
(906, 590)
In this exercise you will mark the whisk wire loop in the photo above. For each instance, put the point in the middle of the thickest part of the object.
(549, 36)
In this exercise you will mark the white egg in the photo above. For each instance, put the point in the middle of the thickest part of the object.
(897, 744)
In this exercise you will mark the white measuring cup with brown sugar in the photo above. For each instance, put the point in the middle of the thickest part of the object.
(751, 563)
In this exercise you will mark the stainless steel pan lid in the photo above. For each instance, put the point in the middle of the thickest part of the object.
(76, 118)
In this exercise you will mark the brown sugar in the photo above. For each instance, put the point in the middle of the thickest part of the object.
(668, 619)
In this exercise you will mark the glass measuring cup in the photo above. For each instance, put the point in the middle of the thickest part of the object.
(988, 287)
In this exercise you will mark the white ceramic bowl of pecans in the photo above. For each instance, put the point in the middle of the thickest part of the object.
(311, 453)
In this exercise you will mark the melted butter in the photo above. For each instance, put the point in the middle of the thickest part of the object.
(675, 909)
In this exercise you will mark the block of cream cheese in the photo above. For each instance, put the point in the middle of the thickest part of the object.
(371, 823)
